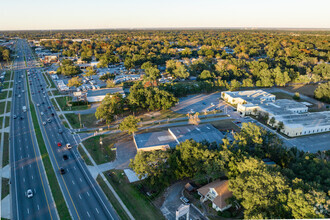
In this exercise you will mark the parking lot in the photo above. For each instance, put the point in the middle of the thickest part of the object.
(200, 103)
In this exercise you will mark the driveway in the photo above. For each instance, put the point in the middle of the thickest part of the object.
(125, 152)
(172, 202)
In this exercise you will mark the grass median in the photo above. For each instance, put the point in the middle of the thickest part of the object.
(101, 153)
(5, 188)
(114, 202)
(5, 157)
(54, 186)
(138, 204)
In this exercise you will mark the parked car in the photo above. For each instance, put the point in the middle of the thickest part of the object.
(184, 200)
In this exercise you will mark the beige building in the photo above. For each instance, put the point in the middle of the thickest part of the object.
(218, 193)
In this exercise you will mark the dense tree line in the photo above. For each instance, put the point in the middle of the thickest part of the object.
(4, 54)
(322, 92)
(296, 187)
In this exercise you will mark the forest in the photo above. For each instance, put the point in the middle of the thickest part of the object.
(236, 58)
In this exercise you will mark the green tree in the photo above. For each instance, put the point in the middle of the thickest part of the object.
(110, 83)
(111, 106)
(296, 96)
(90, 71)
(272, 121)
(129, 124)
(322, 92)
(181, 72)
(75, 82)
(261, 191)
(206, 74)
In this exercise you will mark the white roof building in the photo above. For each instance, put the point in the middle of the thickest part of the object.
(294, 115)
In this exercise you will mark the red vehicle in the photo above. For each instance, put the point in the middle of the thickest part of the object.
(59, 144)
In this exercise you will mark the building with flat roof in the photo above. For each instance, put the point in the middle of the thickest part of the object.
(169, 139)
(294, 115)
(98, 95)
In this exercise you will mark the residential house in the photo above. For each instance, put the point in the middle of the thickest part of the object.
(217, 192)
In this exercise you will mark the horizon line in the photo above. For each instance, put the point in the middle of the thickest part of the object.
(180, 28)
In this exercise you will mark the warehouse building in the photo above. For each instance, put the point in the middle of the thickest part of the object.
(294, 115)
(169, 139)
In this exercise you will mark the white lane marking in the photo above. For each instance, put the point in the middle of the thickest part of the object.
(30, 165)
(88, 194)
(74, 168)
(21, 157)
(38, 207)
(23, 179)
(88, 214)
(22, 167)
(79, 196)
(72, 182)
(97, 211)
(20, 148)
(80, 179)
(28, 211)
(32, 177)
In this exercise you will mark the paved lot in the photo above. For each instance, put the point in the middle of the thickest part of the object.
(198, 103)
(312, 143)
(172, 202)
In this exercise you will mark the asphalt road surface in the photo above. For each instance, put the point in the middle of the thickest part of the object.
(83, 196)
(27, 171)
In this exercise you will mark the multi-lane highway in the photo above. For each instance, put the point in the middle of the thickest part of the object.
(27, 171)
(82, 194)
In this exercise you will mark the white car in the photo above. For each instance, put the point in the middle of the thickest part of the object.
(68, 145)
(38, 104)
(44, 123)
(29, 193)
(41, 113)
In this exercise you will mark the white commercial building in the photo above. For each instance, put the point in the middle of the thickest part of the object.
(294, 115)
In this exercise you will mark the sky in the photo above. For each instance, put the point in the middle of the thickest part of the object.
(127, 14)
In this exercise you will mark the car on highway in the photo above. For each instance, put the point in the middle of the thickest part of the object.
(53, 114)
(29, 193)
(38, 104)
(49, 120)
(22, 117)
(62, 170)
(65, 157)
(15, 116)
(68, 146)
(19, 96)
(60, 131)
(44, 123)
(41, 113)
(59, 144)
(49, 107)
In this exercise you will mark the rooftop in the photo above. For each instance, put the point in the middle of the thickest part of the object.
(198, 133)
(103, 92)
(154, 139)
(307, 120)
(251, 95)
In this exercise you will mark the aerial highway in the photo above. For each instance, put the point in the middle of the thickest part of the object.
(82, 194)
(30, 192)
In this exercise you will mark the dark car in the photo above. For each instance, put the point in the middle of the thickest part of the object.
(22, 117)
(60, 131)
(62, 170)
(65, 157)
(53, 114)
(49, 107)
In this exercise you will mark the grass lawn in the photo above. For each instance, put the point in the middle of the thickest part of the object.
(84, 156)
(2, 107)
(3, 95)
(7, 121)
(88, 120)
(1, 118)
(5, 157)
(56, 92)
(8, 107)
(224, 125)
(62, 101)
(65, 124)
(5, 85)
(307, 90)
(5, 188)
(10, 94)
(163, 114)
(139, 204)
(114, 202)
(282, 95)
(103, 154)
(7, 76)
